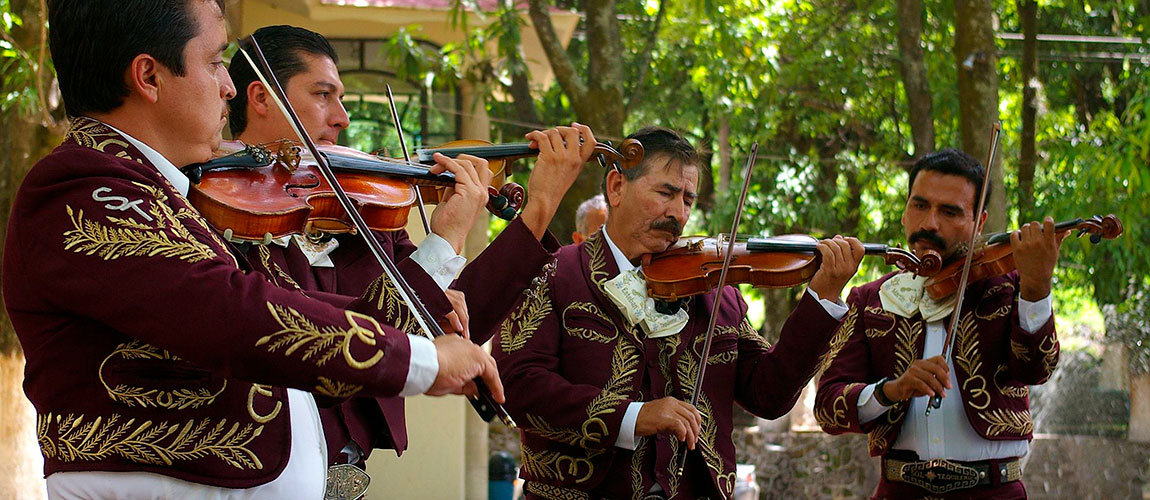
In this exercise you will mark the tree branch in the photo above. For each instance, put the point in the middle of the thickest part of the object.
(645, 58)
(561, 65)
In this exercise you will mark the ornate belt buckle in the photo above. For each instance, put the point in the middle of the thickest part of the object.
(345, 482)
(939, 476)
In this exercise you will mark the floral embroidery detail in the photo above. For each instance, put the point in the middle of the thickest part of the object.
(387, 299)
(325, 343)
(549, 464)
(969, 359)
(840, 338)
(874, 333)
(637, 491)
(588, 333)
(1020, 351)
(128, 238)
(518, 328)
(1010, 391)
(835, 417)
(1005, 421)
(275, 273)
(71, 439)
(336, 389)
(174, 399)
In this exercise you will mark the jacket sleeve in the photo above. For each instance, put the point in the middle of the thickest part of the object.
(496, 279)
(845, 374)
(158, 274)
(772, 378)
(544, 402)
(1033, 356)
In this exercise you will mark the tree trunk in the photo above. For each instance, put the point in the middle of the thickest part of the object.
(597, 101)
(1028, 12)
(977, 65)
(914, 80)
(1139, 429)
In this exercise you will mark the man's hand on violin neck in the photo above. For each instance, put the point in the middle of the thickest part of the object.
(671, 416)
(463, 202)
(1035, 246)
(840, 261)
(457, 320)
(562, 153)
(460, 361)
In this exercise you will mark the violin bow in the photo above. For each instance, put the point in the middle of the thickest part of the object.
(995, 133)
(484, 404)
(407, 158)
(698, 387)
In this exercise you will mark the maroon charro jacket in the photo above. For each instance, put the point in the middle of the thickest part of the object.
(148, 347)
(995, 361)
(571, 367)
(511, 260)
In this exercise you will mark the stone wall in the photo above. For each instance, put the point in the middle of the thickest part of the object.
(813, 465)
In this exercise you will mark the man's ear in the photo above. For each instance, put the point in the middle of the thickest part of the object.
(577, 237)
(259, 101)
(982, 220)
(144, 78)
(614, 187)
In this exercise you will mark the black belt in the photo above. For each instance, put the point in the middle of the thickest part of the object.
(943, 476)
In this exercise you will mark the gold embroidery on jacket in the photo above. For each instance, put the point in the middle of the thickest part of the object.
(538, 426)
(873, 333)
(92, 134)
(624, 365)
(906, 345)
(264, 391)
(326, 343)
(637, 491)
(969, 359)
(596, 249)
(835, 417)
(1049, 349)
(1009, 391)
(550, 464)
(1006, 421)
(550, 492)
(1020, 351)
(840, 338)
(387, 299)
(706, 442)
(128, 238)
(877, 438)
(174, 399)
(518, 328)
(275, 273)
(588, 333)
(748, 332)
(71, 439)
(336, 389)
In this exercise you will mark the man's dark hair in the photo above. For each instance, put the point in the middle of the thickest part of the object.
(662, 144)
(283, 47)
(951, 161)
(93, 42)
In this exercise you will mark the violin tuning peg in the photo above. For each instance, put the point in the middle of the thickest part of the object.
(508, 213)
(1095, 238)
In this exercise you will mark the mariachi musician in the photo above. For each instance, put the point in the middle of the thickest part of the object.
(881, 381)
(599, 387)
(306, 65)
(158, 365)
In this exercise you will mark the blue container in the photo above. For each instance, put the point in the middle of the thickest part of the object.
(501, 471)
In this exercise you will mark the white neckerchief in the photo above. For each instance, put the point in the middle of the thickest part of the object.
(905, 294)
(628, 291)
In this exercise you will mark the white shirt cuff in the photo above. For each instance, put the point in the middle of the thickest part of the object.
(422, 368)
(869, 407)
(837, 309)
(436, 256)
(626, 439)
(1032, 315)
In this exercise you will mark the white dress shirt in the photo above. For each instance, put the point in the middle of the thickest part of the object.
(626, 439)
(305, 474)
(947, 433)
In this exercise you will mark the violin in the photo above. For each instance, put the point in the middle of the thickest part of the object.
(993, 254)
(261, 192)
(692, 265)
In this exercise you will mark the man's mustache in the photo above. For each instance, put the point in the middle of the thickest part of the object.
(930, 237)
(670, 225)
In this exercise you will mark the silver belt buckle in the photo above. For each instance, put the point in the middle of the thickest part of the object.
(939, 475)
(345, 482)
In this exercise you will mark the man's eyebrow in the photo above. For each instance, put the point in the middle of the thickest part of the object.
(222, 48)
(672, 188)
(326, 85)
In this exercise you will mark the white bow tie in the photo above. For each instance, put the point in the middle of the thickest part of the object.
(904, 295)
(628, 291)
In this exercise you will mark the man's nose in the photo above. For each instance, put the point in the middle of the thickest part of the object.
(930, 222)
(339, 118)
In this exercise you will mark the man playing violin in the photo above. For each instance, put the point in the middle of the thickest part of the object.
(306, 65)
(882, 380)
(159, 366)
(601, 398)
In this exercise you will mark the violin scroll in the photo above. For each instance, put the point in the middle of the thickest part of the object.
(1099, 228)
